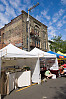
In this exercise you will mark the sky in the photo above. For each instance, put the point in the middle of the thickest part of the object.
(52, 13)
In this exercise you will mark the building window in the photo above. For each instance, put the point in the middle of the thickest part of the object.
(43, 34)
(35, 43)
(45, 45)
(3, 36)
(0, 36)
(36, 30)
(27, 40)
(39, 43)
(26, 26)
(0, 33)
(0, 39)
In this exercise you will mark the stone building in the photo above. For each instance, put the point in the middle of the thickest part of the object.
(16, 32)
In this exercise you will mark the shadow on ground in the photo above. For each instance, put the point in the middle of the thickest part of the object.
(60, 93)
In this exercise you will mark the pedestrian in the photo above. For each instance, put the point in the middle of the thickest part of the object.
(48, 74)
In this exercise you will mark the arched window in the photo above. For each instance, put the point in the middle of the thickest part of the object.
(0, 36)
(3, 36)
(27, 27)
(36, 30)
(0, 33)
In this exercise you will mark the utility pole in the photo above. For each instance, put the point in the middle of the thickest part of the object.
(29, 25)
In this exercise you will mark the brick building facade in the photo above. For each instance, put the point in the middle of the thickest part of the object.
(16, 32)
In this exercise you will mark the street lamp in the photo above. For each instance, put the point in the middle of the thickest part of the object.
(29, 25)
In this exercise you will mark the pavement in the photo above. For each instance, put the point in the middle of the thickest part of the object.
(52, 89)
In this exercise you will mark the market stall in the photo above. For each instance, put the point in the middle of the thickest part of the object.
(60, 56)
(61, 53)
(47, 60)
(13, 59)
(16, 58)
(61, 60)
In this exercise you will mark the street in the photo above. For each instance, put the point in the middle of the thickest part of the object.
(52, 89)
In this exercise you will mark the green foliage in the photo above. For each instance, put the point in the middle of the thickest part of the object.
(58, 44)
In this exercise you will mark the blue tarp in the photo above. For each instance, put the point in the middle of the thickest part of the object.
(58, 55)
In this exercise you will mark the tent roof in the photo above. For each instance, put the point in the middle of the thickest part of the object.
(58, 55)
(41, 53)
(13, 51)
(61, 53)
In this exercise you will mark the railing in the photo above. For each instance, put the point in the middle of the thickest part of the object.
(32, 31)
(35, 45)
(32, 44)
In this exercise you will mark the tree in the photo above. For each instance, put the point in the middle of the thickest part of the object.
(63, 47)
(58, 44)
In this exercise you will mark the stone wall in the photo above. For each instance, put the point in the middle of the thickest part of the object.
(16, 32)
(13, 31)
(42, 31)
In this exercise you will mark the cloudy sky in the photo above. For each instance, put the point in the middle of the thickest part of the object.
(52, 13)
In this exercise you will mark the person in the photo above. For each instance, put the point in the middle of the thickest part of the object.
(48, 74)
(62, 72)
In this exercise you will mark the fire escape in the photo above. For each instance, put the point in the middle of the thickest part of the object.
(34, 39)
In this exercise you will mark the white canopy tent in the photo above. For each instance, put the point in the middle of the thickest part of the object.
(11, 51)
(39, 53)
(21, 58)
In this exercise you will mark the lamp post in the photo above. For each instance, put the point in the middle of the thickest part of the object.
(29, 25)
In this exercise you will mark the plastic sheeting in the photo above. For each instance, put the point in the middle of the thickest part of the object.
(24, 79)
(36, 74)
(55, 65)
(11, 81)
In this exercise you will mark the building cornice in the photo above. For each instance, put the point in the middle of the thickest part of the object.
(18, 17)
